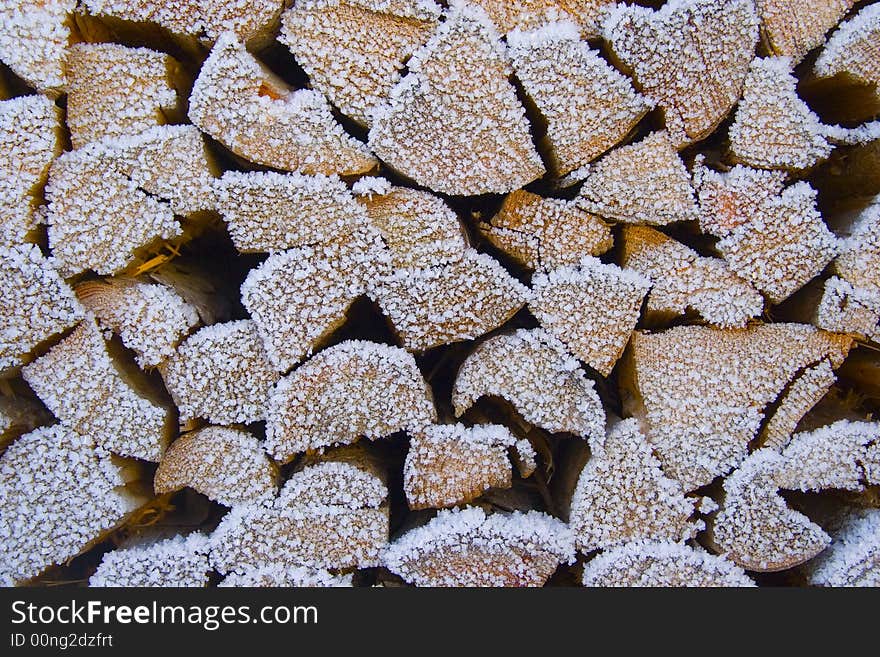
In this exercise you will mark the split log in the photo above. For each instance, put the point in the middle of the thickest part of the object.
(662, 564)
(51, 514)
(792, 28)
(275, 576)
(471, 548)
(532, 14)
(541, 234)
(93, 393)
(35, 302)
(353, 50)
(853, 558)
(698, 436)
(452, 464)
(174, 562)
(533, 372)
(681, 279)
(347, 391)
(591, 308)
(589, 106)
(690, 56)
(30, 138)
(222, 374)
(853, 49)
(250, 110)
(454, 123)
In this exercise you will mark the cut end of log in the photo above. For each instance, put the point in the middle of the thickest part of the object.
(175, 562)
(33, 37)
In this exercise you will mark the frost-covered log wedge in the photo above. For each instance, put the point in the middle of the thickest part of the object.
(532, 371)
(690, 56)
(101, 396)
(151, 319)
(35, 303)
(853, 558)
(350, 390)
(33, 37)
(845, 308)
(298, 297)
(173, 562)
(469, 548)
(622, 496)
(353, 50)
(114, 91)
(20, 414)
(242, 104)
(701, 393)
(591, 308)
(792, 28)
(50, 514)
(450, 464)
(454, 123)
(222, 374)
(681, 279)
(642, 183)
(417, 226)
(329, 515)
(854, 48)
(439, 304)
(843, 456)
(205, 19)
(662, 564)
(227, 465)
(285, 576)
(771, 235)
(268, 211)
(532, 14)
(755, 527)
(545, 233)
(589, 107)
(30, 139)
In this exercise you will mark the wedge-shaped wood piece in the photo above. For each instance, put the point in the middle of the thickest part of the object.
(690, 56)
(450, 464)
(222, 373)
(59, 494)
(457, 301)
(853, 558)
(33, 37)
(114, 91)
(662, 563)
(792, 28)
(92, 392)
(622, 496)
(353, 389)
(20, 414)
(798, 399)
(755, 528)
(853, 48)
(418, 227)
(698, 436)
(251, 111)
(591, 308)
(469, 548)
(275, 576)
(454, 123)
(353, 50)
(770, 235)
(329, 515)
(227, 465)
(268, 211)
(299, 297)
(30, 139)
(845, 308)
(544, 233)
(859, 259)
(151, 319)
(205, 19)
(683, 279)
(533, 371)
(531, 14)
(173, 562)
(589, 107)
(35, 303)
(642, 183)
(842, 456)
(100, 220)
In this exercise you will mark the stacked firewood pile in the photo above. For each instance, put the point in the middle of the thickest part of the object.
(385, 292)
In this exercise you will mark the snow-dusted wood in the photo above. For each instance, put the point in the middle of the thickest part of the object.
(853, 558)
(792, 28)
(531, 14)
(853, 48)
(173, 562)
